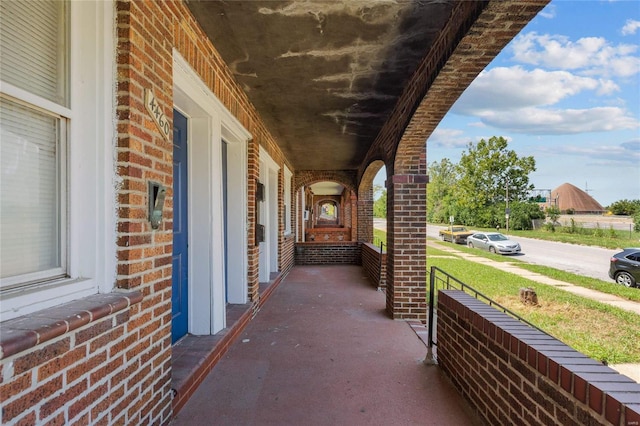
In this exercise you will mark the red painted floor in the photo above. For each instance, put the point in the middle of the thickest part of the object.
(322, 351)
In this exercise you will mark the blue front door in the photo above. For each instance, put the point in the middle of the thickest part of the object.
(179, 296)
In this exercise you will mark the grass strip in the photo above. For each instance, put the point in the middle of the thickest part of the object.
(600, 331)
(608, 287)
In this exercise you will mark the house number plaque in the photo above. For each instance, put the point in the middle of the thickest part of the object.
(158, 116)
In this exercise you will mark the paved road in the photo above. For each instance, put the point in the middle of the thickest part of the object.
(380, 224)
(581, 260)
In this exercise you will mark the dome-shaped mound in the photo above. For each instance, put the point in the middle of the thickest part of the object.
(570, 197)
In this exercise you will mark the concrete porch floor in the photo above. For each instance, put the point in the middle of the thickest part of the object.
(322, 351)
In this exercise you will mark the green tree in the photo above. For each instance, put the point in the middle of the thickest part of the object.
(553, 213)
(625, 207)
(441, 191)
(380, 201)
(490, 173)
(523, 213)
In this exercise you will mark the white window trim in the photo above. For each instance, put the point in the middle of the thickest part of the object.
(268, 216)
(91, 178)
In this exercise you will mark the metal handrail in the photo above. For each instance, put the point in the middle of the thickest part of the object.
(451, 282)
(380, 263)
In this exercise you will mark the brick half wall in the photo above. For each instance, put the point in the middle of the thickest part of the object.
(335, 253)
(374, 263)
(96, 360)
(514, 374)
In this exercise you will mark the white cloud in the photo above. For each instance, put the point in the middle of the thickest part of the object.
(548, 12)
(508, 88)
(479, 124)
(519, 100)
(607, 87)
(448, 138)
(630, 27)
(537, 121)
(588, 55)
(624, 154)
(632, 145)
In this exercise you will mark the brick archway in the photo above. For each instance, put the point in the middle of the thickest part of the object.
(309, 177)
(347, 202)
(365, 201)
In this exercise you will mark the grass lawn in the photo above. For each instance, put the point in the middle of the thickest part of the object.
(600, 331)
(608, 287)
(379, 236)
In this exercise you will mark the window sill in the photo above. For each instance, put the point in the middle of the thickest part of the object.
(22, 333)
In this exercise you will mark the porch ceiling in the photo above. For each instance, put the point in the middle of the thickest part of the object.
(324, 75)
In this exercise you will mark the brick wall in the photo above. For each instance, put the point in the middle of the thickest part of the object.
(286, 258)
(84, 362)
(374, 263)
(365, 215)
(352, 212)
(514, 374)
(328, 234)
(89, 363)
(346, 253)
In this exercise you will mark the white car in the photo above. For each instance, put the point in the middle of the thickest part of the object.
(494, 242)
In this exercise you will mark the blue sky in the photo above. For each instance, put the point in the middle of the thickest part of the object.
(566, 91)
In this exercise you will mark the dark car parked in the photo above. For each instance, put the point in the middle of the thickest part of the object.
(625, 267)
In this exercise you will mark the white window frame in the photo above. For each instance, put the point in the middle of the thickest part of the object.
(89, 204)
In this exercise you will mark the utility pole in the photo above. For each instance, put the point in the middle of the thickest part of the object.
(586, 187)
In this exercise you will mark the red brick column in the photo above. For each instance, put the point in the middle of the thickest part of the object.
(353, 215)
(365, 215)
(407, 251)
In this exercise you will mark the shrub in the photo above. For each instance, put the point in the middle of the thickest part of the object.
(625, 207)
(573, 228)
(553, 213)
(598, 231)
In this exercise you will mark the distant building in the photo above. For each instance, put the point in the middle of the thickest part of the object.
(568, 197)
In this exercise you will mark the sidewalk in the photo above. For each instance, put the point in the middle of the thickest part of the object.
(629, 370)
